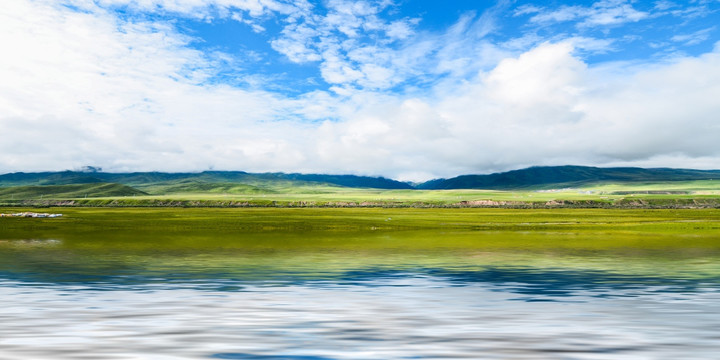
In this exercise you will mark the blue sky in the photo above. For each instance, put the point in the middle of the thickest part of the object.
(612, 31)
(411, 90)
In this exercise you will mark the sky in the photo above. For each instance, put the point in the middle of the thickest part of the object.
(406, 89)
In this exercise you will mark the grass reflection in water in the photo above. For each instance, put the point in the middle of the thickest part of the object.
(548, 252)
(320, 284)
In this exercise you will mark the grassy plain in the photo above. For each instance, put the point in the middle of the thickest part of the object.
(702, 193)
(286, 193)
(363, 219)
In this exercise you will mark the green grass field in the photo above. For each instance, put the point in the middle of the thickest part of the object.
(700, 193)
(363, 219)
(601, 192)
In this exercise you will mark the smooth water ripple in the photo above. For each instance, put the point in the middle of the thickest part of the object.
(413, 318)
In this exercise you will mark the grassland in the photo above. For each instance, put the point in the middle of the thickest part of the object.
(346, 219)
(536, 187)
(676, 194)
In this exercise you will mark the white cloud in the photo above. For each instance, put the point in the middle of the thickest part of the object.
(297, 43)
(400, 29)
(83, 85)
(352, 43)
(612, 12)
(85, 88)
(544, 107)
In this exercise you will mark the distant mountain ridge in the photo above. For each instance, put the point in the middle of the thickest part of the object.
(247, 183)
(205, 177)
(569, 175)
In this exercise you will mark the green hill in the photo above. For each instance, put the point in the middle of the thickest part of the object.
(243, 183)
(566, 176)
(265, 181)
(67, 191)
(198, 187)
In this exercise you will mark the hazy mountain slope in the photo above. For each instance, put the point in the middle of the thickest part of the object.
(566, 175)
(67, 191)
(350, 181)
(198, 187)
(240, 182)
(263, 180)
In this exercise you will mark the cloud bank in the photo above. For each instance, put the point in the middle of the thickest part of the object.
(82, 85)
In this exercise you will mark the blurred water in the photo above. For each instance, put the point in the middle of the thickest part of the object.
(65, 299)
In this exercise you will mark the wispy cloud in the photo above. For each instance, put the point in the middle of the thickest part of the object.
(694, 38)
(600, 13)
(202, 8)
(664, 5)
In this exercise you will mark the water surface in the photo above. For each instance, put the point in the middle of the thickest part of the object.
(426, 294)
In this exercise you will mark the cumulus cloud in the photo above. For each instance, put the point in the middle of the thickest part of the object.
(119, 90)
(545, 106)
(87, 87)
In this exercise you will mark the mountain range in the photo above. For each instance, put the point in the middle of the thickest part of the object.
(566, 176)
(240, 182)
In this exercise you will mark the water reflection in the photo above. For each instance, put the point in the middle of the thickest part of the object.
(409, 318)
(266, 357)
(272, 260)
(396, 295)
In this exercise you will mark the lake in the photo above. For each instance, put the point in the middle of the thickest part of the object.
(555, 292)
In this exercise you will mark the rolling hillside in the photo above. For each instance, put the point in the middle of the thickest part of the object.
(566, 176)
(69, 184)
(67, 191)
(263, 181)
